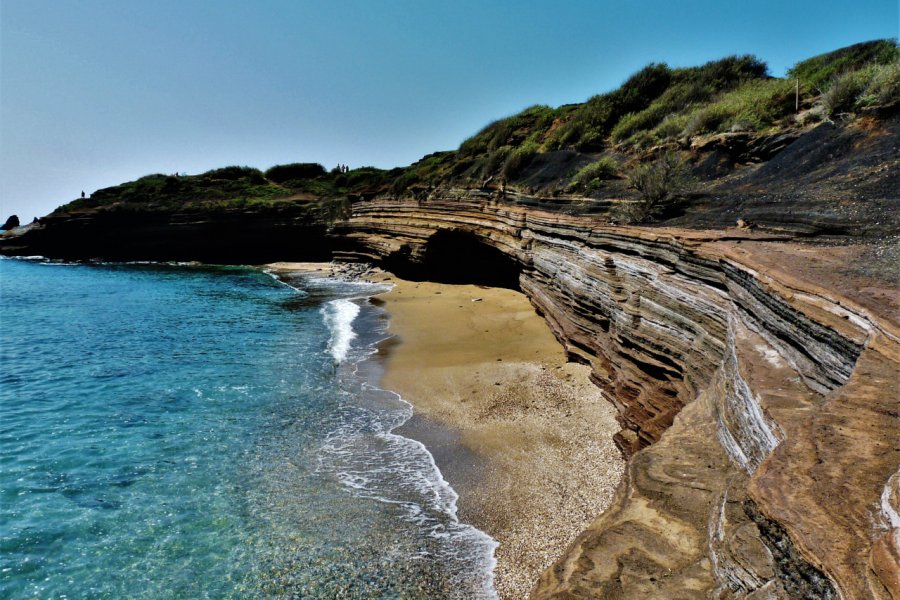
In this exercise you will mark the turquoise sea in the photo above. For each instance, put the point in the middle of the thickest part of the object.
(185, 431)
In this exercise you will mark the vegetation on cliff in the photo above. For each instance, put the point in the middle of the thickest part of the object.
(598, 148)
(235, 187)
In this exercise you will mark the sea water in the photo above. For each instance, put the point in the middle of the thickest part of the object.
(207, 432)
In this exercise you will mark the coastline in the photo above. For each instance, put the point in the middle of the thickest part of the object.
(521, 435)
(461, 561)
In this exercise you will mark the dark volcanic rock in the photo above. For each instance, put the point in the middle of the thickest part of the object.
(228, 236)
(11, 223)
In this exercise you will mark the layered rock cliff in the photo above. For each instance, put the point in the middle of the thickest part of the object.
(760, 410)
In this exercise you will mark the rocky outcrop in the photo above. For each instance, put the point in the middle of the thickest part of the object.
(759, 410)
(224, 236)
(11, 223)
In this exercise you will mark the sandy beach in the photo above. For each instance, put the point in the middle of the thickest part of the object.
(522, 435)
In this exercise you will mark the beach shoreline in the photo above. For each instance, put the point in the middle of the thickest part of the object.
(530, 449)
(520, 434)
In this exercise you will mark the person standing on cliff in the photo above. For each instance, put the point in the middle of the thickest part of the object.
(82, 194)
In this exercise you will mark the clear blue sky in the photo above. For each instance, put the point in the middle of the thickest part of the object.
(96, 92)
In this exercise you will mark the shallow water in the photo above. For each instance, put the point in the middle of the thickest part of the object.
(198, 432)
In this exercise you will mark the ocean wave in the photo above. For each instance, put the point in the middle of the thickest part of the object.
(371, 461)
(339, 315)
(349, 289)
(283, 282)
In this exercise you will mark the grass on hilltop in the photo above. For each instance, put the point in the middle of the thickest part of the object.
(235, 187)
(874, 85)
(818, 72)
(656, 106)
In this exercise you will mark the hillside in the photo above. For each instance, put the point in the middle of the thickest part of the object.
(698, 146)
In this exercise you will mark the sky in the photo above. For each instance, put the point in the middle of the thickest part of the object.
(97, 92)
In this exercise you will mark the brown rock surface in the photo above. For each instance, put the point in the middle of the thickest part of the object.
(757, 398)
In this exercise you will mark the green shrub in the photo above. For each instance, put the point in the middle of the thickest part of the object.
(404, 182)
(819, 71)
(589, 124)
(755, 105)
(841, 95)
(870, 86)
(530, 124)
(294, 171)
(591, 177)
(235, 173)
(705, 120)
(639, 90)
(649, 97)
(634, 122)
(366, 177)
(427, 172)
(724, 73)
(519, 158)
(691, 86)
(229, 185)
(496, 160)
(671, 126)
(883, 86)
(659, 185)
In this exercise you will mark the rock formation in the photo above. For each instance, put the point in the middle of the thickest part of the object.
(11, 223)
(224, 236)
(759, 409)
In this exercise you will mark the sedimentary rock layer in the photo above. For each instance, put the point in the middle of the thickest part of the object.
(759, 410)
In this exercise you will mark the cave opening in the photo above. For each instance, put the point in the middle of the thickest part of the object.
(460, 257)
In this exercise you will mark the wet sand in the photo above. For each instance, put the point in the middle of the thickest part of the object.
(523, 436)
(520, 434)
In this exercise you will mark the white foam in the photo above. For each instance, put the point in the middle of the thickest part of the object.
(275, 276)
(393, 469)
(339, 315)
(890, 512)
(373, 462)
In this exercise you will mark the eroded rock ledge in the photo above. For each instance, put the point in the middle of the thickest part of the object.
(759, 410)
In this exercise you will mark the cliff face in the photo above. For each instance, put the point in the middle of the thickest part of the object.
(226, 236)
(759, 410)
